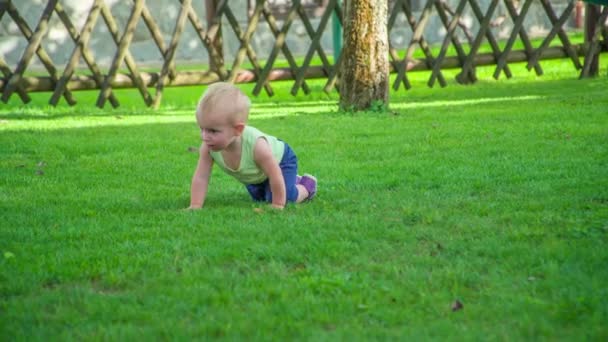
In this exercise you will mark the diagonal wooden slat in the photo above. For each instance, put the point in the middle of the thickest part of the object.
(594, 45)
(529, 49)
(170, 52)
(81, 41)
(208, 37)
(35, 39)
(157, 36)
(518, 20)
(280, 36)
(417, 39)
(214, 33)
(332, 79)
(6, 71)
(314, 45)
(123, 53)
(451, 28)
(461, 21)
(334, 75)
(4, 68)
(556, 30)
(490, 36)
(443, 10)
(464, 76)
(245, 47)
(605, 34)
(398, 63)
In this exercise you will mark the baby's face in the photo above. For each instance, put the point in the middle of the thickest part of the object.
(217, 131)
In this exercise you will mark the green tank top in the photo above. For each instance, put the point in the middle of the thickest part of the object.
(248, 171)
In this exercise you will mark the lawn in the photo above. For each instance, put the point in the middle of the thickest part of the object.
(464, 213)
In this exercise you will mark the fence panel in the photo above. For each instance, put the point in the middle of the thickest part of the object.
(270, 40)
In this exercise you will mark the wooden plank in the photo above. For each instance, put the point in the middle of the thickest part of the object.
(468, 73)
(34, 38)
(157, 36)
(170, 53)
(396, 61)
(3, 8)
(334, 73)
(316, 38)
(556, 30)
(592, 56)
(417, 38)
(524, 37)
(81, 41)
(332, 80)
(444, 46)
(490, 37)
(216, 62)
(245, 47)
(211, 39)
(280, 36)
(243, 37)
(4, 68)
(518, 20)
(6, 71)
(123, 53)
(605, 36)
(443, 9)
(461, 21)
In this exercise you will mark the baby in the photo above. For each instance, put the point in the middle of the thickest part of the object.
(266, 165)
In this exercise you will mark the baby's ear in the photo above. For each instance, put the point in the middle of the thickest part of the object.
(239, 127)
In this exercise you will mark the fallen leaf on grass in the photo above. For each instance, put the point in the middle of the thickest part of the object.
(192, 149)
(299, 267)
(457, 305)
(258, 210)
(41, 163)
(329, 327)
(40, 172)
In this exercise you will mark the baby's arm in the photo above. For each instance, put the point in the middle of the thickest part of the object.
(262, 155)
(200, 179)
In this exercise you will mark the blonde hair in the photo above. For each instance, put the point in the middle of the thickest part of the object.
(227, 99)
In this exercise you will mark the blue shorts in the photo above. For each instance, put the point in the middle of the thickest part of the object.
(289, 167)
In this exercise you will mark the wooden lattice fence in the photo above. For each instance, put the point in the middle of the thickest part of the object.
(246, 66)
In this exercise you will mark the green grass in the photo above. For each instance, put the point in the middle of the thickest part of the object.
(494, 194)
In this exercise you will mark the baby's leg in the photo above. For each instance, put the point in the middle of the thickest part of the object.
(299, 189)
(308, 184)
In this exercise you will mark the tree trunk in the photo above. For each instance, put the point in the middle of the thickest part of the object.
(364, 79)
